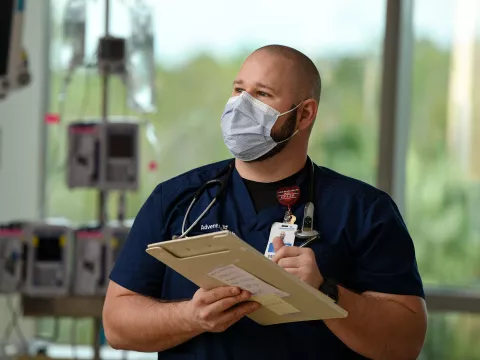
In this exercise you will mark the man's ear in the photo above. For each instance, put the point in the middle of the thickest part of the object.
(306, 114)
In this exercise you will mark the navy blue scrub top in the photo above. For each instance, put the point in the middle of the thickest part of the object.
(364, 245)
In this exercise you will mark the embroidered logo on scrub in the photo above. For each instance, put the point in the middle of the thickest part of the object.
(214, 227)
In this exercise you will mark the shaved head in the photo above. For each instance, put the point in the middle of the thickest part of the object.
(307, 79)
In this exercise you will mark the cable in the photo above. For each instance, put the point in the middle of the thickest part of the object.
(61, 105)
(15, 323)
(60, 166)
(125, 110)
(151, 134)
(73, 339)
(11, 327)
(85, 98)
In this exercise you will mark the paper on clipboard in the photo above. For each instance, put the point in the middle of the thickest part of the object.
(265, 294)
(234, 276)
(276, 304)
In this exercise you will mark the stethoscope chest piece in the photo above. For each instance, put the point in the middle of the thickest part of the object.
(307, 230)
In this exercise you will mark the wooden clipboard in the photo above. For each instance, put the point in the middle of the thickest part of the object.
(195, 257)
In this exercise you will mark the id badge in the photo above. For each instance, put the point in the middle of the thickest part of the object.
(285, 231)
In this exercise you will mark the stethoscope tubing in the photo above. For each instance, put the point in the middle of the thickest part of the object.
(185, 232)
(222, 184)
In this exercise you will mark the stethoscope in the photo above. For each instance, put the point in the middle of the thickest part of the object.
(307, 233)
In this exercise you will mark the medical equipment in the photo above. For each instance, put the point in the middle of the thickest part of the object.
(48, 259)
(74, 27)
(96, 250)
(14, 72)
(91, 261)
(307, 226)
(103, 155)
(111, 55)
(11, 258)
(141, 59)
(214, 182)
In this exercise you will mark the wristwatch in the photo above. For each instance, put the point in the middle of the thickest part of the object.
(330, 288)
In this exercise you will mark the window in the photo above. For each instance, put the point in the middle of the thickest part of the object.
(443, 177)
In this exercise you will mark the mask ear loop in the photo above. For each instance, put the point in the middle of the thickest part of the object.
(289, 111)
(295, 133)
(286, 112)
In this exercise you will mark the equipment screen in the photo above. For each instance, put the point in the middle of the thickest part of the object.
(120, 146)
(6, 18)
(48, 249)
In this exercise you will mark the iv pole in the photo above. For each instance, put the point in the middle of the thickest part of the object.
(103, 194)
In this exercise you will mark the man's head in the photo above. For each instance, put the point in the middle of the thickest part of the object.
(282, 78)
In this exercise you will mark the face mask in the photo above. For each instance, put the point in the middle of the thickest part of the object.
(246, 126)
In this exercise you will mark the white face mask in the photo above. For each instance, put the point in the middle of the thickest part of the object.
(246, 126)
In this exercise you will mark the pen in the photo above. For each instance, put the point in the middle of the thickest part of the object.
(309, 241)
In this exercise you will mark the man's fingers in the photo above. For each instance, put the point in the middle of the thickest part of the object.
(289, 262)
(212, 296)
(277, 243)
(226, 303)
(294, 271)
(285, 252)
(238, 312)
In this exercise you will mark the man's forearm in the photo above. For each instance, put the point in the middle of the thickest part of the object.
(378, 328)
(146, 325)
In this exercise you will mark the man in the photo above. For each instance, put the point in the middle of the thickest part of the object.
(365, 259)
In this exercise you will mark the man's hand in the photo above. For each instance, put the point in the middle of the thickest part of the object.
(300, 262)
(218, 309)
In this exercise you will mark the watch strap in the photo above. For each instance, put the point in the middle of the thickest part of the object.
(330, 288)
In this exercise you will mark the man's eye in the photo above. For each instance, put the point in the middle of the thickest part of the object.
(263, 93)
(238, 90)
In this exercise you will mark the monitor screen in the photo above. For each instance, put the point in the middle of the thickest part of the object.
(121, 145)
(6, 18)
(48, 249)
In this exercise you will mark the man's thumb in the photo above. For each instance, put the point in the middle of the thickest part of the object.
(277, 243)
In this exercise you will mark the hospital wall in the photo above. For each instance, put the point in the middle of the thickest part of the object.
(21, 126)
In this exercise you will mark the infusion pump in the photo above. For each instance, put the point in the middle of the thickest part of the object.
(96, 250)
(41, 259)
(103, 155)
(11, 259)
(48, 260)
(35, 258)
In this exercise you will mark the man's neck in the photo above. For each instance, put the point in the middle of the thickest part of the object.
(276, 168)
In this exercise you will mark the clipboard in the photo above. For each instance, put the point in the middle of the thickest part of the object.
(198, 256)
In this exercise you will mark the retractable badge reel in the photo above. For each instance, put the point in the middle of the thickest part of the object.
(288, 197)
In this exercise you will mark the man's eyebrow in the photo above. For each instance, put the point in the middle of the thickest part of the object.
(260, 85)
(257, 84)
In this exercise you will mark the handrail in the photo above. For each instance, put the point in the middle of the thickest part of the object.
(458, 300)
